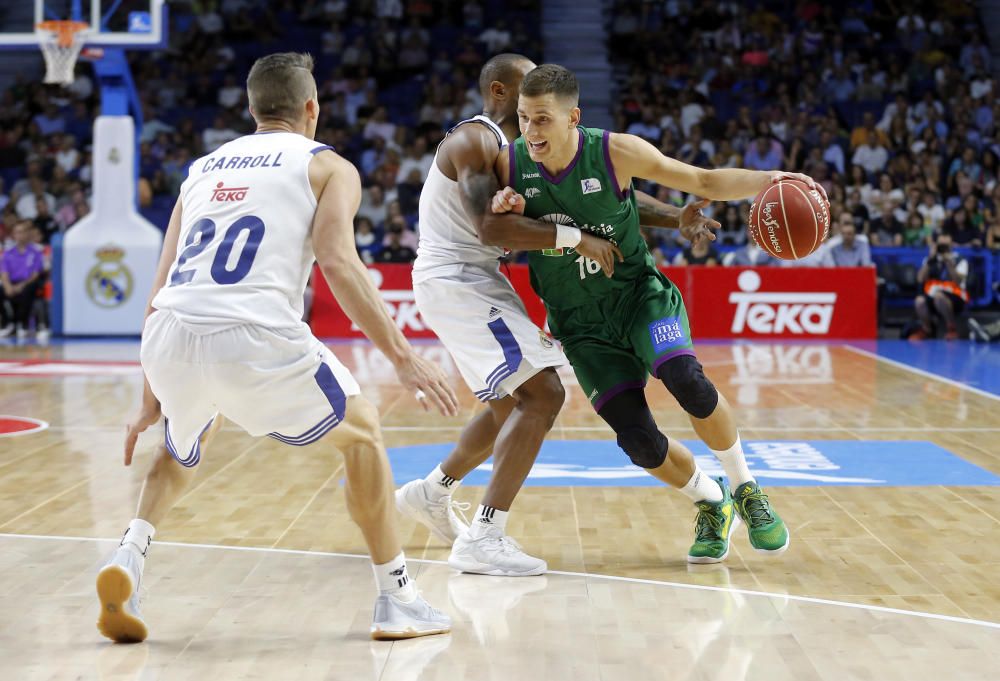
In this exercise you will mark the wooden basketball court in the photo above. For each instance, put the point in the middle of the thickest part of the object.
(259, 574)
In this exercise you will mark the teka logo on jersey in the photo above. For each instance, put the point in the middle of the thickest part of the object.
(771, 313)
(221, 193)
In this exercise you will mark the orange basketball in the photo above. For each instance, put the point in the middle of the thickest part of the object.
(789, 220)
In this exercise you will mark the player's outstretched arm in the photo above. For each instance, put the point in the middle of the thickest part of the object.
(347, 276)
(633, 157)
(692, 223)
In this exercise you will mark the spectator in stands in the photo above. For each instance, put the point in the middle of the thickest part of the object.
(764, 153)
(217, 135)
(700, 253)
(961, 231)
(932, 212)
(849, 251)
(394, 250)
(380, 126)
(21, 271)
(26, 205)
(44, 221)
(917, 232)
(870, 154)
(396, 225)
(750, 255)
(366, 240)
(942, 275)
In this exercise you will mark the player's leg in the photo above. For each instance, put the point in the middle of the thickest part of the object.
(400, 611)
(662, 337)
(429, 500)
(188, 427)
(945, 305)
(485, 548)
(614, 379)
(506, 361)
(924, 315)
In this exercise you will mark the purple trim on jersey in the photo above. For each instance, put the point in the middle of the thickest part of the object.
(613, 391)
(311, 435)
(511, 350)
(512, 178)
(605, 142)
(334, 393)
(195, 456)
(568, 169)
(322, 147)
(670, 355)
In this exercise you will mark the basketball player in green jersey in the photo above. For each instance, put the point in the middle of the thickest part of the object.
(618, 327)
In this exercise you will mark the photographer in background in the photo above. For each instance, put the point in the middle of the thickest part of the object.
(943, 275)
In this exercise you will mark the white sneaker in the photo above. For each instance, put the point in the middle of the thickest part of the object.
(118, 591)
(22, 333)
(493, 553)
(395, 619)
(42, 335)
(6, 330)
(441, 517)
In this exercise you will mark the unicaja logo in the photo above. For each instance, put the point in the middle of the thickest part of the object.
(770, 313)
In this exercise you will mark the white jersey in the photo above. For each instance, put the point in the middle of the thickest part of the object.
(447, 236)
(245, 252)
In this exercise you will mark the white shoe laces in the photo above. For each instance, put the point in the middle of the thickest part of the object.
(439, 509)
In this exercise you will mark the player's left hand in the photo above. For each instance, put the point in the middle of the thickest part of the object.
(149, 413)
(507, 201)
(429, 383)
(779, 175)
(695, 226)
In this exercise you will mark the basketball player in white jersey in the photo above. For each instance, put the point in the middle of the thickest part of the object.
(506, 360)
(224, 337)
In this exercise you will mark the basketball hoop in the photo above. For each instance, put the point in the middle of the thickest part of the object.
(61, 42)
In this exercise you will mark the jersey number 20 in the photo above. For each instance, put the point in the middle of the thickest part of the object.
(203, 233)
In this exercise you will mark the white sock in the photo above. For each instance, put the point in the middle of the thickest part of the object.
(392, 578)
(735, 464)
(702, 488)
(139, 534)
(488, 518)
(439, 484)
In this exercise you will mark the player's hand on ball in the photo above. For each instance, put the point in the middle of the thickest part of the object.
(601, 251)
(149, 413)
(507, 201)
(695, 226)
(428, 383)
(779, 175)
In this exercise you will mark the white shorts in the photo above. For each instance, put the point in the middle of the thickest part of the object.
(282, 383)
(481, 320)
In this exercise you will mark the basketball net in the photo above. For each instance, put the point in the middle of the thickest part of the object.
(61, 42)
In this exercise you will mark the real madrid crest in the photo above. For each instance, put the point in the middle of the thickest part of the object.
(109, 282)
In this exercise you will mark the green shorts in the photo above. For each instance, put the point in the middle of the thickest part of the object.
(616, 343)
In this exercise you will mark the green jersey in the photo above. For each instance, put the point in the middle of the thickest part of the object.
(585, 195)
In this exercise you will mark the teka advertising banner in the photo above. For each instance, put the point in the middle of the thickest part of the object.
(774, 302)
(395, 283)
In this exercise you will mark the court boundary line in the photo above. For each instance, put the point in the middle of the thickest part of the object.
(922, 372)
(600, 429)
(633, 580)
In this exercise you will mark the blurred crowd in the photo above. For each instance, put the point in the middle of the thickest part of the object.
(891, 106)
(392, 77)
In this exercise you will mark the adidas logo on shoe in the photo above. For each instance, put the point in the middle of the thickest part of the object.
(494, 313)
(397, 573)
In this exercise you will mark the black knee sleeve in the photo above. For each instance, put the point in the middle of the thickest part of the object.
(645, 445)
(684, 378)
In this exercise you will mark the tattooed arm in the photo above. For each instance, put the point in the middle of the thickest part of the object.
(468, 156)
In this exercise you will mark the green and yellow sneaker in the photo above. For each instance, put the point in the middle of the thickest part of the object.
(712, 528)
(767, 530)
